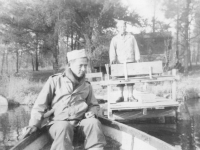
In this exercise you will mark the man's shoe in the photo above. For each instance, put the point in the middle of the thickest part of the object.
(132, 99)
(120, 99)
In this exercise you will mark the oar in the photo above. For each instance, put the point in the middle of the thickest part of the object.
(45, 115)
(26, 133)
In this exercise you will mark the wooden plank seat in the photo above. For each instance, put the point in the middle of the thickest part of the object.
(157, 105)
(137, 69)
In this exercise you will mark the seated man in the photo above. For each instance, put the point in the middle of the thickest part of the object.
(74, 105)
(124, 48)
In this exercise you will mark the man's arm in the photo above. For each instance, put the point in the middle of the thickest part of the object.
(112, 52)
(137, 51)
(93, 106)
(38, 110)
(42, 102)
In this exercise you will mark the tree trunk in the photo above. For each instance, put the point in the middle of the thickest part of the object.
(7, 61)
(72, 40)
(32, 62)
(197, 55)
(186, 38)
(36, 54)
(17, 60)
(78, 42)
(88, 49)
(189, 49)
(55, 52)
(177, 39)
(75, 42)
(189, 58)
(3, 61)
(36, 61)
(154, 17)
(55, 65)
(67, 47)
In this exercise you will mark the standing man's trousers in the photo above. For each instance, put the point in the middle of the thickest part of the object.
(63, 132)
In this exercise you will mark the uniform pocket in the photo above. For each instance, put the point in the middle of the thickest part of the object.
(80, 108)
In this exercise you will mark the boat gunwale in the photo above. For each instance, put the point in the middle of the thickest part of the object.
(28, 140)
(153, 141)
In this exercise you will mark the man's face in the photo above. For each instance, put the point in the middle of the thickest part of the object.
(121, 28)
(79, 66)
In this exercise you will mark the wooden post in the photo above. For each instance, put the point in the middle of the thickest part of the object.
(107, 71)
(174, 85)
(144, 111)
(145, 86)
(125, 71)
(150, 72)
(109, 111)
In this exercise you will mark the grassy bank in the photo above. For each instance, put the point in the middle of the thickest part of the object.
(187, 86)
(20, 90)
(24, 88)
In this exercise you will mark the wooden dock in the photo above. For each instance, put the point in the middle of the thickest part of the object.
(149, 106)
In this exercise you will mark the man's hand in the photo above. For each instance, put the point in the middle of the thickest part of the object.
(29, 130)
(89, 115)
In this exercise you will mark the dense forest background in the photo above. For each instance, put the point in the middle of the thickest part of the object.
(36, 35)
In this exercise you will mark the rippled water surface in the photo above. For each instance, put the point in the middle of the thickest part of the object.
(11, 123)
(184, 134)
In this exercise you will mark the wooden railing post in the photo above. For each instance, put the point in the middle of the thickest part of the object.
(107, 71)
(109, 111)
(125, 71)
(150, 72)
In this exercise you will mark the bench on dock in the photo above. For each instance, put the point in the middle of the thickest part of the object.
(137, 69)
(143, 72)
(95, 77)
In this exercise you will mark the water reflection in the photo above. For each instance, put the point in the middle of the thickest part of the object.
(194, 108)
(3, 109)
(183, 134)
(11, 124)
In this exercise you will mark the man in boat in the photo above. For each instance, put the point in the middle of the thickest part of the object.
(124, 48)
(74, 105)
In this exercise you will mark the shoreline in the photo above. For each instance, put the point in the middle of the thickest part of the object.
(24, 90)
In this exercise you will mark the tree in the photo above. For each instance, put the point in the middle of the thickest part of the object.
(183, 12)
(46, 22)
(196, 32)
(173, 10)
(186, 36)
(91, 18)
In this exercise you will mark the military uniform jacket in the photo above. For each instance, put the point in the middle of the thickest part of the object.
(69, 104)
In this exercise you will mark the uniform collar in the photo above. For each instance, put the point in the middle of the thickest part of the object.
(75, 80)
(124, 34)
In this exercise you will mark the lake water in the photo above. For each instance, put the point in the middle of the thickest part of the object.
(185, 134)
(11, 123)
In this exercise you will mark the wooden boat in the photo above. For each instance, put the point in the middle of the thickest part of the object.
(119, 136)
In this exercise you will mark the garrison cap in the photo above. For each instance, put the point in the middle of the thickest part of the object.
(75, 54)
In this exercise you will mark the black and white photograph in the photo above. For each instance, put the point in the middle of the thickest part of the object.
(99, 74)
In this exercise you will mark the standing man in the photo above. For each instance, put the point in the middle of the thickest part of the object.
(124, 48)
(74, 105)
